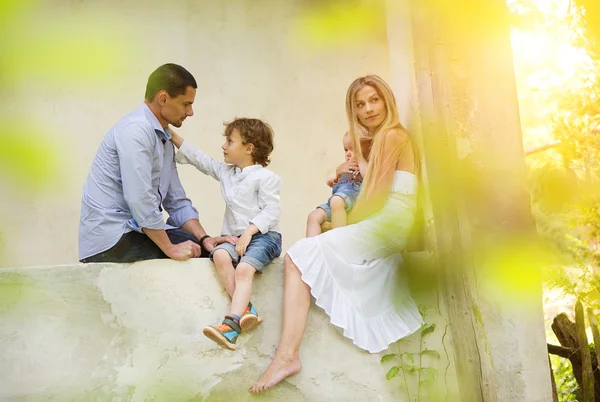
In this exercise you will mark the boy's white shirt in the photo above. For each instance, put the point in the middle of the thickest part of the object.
(251, 195)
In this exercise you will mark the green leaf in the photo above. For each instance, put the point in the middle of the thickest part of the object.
(431, 352)
(423, 310)
(411, 357)
(427, 329)
(430, 373)
(393, 372)
(388, 357)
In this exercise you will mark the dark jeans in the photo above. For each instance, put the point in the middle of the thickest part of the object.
(134, 246)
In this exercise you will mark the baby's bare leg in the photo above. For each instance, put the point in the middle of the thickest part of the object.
(314, 221)
(338, 211)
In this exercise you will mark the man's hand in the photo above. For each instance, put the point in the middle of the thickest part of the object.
(179, 252)
(211, 242)
(350, 166)
(183, 251)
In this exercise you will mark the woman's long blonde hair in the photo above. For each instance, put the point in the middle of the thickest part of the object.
(377, 165)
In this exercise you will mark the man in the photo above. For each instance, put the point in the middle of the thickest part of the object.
(134, 173)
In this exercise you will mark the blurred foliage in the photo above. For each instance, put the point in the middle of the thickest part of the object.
(46, 51)
(566, 385)
(558, 78)
(48, 54)
(56, 50)
(591, 10)
(327, 25)
(13, 288)
(28, 158)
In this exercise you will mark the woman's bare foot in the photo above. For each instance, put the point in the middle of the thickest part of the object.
(279, 369)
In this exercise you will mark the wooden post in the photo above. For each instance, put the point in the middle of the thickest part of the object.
(566, 333)
(584, 350)
(554, 392)
(595, 334)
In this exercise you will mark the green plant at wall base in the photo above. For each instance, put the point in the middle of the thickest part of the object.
(408, 367)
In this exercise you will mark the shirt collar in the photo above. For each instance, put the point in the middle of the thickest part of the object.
(163, 133)
(247, 169)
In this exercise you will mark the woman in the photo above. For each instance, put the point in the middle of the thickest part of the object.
(351, 271)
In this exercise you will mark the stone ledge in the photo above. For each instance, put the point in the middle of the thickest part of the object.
(134, 332)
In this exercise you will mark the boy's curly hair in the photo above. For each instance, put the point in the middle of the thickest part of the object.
(255, 132)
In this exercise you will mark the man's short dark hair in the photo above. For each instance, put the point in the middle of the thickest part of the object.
(169, 77)
(256, 132)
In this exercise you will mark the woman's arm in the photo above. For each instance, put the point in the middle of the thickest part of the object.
(397, 153)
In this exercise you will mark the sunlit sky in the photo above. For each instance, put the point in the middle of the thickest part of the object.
(547, 63)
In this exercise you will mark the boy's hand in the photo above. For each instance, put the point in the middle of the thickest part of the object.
(242, 243)
(176, 139)
(245, 238)
(211, 242)
(331, 181)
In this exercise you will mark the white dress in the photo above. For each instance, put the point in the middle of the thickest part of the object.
(355, 272)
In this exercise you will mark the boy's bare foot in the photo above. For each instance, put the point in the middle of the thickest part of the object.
(278, 370)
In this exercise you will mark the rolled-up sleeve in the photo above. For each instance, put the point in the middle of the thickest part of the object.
(176, 203)
(204, 163)
(269, 203)
(134, 146)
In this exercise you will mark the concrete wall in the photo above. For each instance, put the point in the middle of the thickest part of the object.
(133, 332)
(249, 58)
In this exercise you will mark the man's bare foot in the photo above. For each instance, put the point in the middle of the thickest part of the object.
(278, 370)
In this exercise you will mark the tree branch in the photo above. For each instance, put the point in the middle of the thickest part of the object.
(561, 351)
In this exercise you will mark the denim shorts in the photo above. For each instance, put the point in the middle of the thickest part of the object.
(348, 191)
(263, 249)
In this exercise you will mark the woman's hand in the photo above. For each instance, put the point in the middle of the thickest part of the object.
(350, 166)
(176, 139)
(331, 181)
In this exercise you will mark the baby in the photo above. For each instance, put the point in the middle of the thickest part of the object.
(345, 191)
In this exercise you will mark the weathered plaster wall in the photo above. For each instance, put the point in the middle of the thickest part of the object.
(249, 60)
(134, 333)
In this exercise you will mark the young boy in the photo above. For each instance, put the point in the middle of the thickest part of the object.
(343, 196)
(252, 211)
